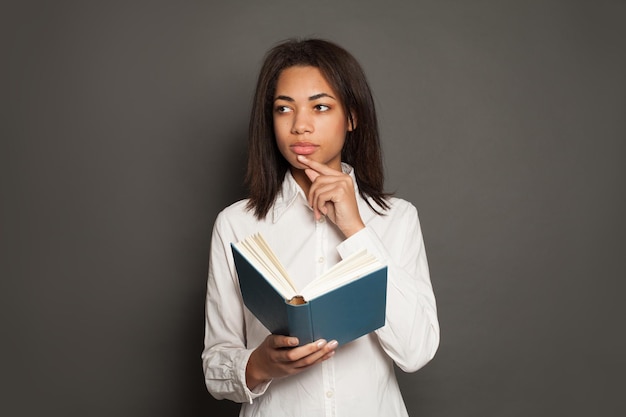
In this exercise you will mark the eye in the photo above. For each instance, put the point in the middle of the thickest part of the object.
(282, 109)
(322, 107)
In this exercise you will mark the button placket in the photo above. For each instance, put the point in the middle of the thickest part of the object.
(328, 372)
(320, 246)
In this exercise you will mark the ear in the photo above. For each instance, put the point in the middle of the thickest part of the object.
(351, 122)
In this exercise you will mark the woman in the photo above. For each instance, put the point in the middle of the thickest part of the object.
(315, 183)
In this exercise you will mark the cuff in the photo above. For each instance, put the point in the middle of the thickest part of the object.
(363, 239)
(259, 389)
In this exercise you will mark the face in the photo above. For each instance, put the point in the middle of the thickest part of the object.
(308, 117)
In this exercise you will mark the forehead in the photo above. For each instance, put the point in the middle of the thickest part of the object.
(302, 80)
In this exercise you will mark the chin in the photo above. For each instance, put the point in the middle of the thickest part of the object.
(298, 165)
(293, 162)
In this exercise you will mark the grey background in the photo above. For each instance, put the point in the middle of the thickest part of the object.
(123, 134)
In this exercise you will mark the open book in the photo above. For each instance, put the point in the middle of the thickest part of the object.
(344, 303)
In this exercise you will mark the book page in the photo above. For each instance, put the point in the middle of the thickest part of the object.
(256, 249)
(347, 270)
(259, 253)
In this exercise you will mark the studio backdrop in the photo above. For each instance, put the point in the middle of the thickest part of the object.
(123, 134)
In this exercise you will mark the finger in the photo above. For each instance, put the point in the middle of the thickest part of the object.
(296, 354)
(312, 174)
(317, 166)
(309, 354)
(327, 351)
(324, 195)
(324, 202)
(280, 341)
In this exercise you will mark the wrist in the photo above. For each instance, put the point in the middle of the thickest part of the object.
(349, 231)
(254, 375)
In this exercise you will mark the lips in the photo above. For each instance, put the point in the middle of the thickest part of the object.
(303, 148)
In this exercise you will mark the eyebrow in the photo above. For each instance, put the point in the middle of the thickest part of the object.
(312, 98)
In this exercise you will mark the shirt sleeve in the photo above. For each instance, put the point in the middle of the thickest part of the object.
(410, 335)
(225, 354)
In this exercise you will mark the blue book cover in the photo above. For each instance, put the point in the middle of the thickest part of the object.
(343, 314)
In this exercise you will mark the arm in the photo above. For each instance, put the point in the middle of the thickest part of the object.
(232, 370)
(411, 332)
(225, 355)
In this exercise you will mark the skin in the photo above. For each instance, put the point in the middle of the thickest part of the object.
(310, 127)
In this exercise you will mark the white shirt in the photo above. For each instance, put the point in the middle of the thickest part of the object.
(359, 379)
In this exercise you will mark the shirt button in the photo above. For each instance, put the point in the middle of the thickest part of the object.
(329, 394)
(321, 259)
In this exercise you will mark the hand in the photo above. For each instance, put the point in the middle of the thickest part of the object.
(332, 195)
(280, 356)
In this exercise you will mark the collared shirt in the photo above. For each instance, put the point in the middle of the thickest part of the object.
(359, 379)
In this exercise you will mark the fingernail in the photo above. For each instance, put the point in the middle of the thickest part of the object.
(293, 341)
(301, 158)
(333, 344)
(321, 343)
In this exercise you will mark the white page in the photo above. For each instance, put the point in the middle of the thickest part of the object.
(272, 272)
(259, 253)
(347, 270)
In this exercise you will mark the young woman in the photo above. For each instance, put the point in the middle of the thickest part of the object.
(315, 182)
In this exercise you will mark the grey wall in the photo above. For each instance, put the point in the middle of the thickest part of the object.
(123, 134)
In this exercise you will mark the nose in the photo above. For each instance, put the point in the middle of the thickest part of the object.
(302, 123)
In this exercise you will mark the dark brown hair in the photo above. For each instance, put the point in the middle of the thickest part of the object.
(267, 167)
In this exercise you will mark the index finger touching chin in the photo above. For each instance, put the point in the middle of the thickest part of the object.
(317, 166)
(312, 174)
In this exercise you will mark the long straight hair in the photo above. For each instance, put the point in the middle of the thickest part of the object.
(267, 167)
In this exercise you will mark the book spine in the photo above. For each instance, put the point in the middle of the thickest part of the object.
(300, 324)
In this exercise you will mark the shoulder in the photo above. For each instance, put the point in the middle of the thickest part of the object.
(397, 207)
(400, 213)
(236, 213)
(238, 208)
(401, 206)
(401, 210)
(238, 221)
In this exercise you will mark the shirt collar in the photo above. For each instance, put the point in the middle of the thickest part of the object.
(290, 192)
(287, 195)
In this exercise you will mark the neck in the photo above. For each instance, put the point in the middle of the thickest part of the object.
(301, 179)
